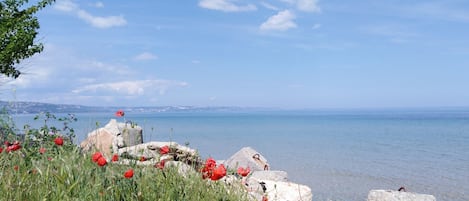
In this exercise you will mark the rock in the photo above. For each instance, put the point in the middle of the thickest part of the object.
(106, 140)
(99, 140)
(389, 195)
(269, 175)
(279, 190)
(247, 157)
(151, 150)
(132, 134)
(183, 169)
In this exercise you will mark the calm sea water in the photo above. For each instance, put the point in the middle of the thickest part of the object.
(340, 155)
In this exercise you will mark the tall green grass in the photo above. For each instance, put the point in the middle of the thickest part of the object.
(65, 173)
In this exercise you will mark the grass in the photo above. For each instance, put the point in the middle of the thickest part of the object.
(65, 173)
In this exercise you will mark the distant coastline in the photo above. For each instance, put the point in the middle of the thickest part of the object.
(25, 107)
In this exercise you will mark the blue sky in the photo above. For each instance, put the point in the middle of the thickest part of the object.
(277, 53)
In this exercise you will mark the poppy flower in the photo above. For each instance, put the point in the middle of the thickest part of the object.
(244, 171)
(13, 147)
(264, 198)
(164, 150)
(59, 141)
(1, 149)
(208, 168)
(96, 156)
(143, 158)
(160, 165)
(42, 150)
(16, 167)
(120, 113)
(101, 161)
(129, 173)
(218, 173)
(115, 158)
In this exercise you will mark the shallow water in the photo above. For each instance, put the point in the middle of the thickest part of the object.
(340, 155)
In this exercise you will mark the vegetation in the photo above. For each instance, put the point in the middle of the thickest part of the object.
(18, 30)
(45, 165)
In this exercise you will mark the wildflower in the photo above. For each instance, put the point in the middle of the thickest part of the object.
(42, 150)
(101, 161)
(120, 113)
(13, 147)
(219, 172)
(208, 168)
(264, 198)
(143, 158)
(115, 158)
(16, 167)
(59, 141)
(129, 173)
(96, 156)
(160, 165)
(1, 149)
(244, 171)
(164, 150)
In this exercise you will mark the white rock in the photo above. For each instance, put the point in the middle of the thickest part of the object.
(269, 175)
(389, 195)
(247, 157)
(279, 190)
(183, 169)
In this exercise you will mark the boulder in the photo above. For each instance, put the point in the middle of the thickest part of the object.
(269, 175)
(106, 140)
(247, 157)
(151, 150)
(279, 190)
(390, 195)
(182, 168)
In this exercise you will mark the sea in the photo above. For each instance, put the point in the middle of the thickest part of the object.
(339, 154)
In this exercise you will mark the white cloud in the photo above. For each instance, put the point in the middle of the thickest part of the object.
(130, 88)
(305, 5)
(269, 6)
(65, 6)
(225, 5)
(282, 21)
(96, 21)
(101, 22)
(145, 56)
(308, 5)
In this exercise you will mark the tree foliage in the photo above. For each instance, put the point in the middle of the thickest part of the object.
(18, 29)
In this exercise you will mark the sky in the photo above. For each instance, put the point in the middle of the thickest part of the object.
(250, 53)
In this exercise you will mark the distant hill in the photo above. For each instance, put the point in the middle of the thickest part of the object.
(21, 107)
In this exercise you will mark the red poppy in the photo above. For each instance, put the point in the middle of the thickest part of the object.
(160, 165)
(96, 156)
(16, 167)
(1, 149)
(219, 172)
(208, 168)
(59, 141)
(101, 161)
(143, 158)
(244, 171)
(42, 150)
(164, 150)
(120, 113)
(129, 173)
(264, 198)
(115, 158)
(13, 147)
